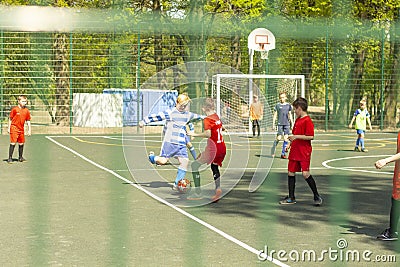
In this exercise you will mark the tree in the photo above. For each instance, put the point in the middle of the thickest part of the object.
(61, 72)
(384, 14)
(391, 92)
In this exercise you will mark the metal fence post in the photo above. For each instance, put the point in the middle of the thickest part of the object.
(327, 81)
(138, 82)
(382, 79)
(70, 85)
(1, 80)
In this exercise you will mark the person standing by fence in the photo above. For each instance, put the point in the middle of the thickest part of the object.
(16, 128)
(256, 115)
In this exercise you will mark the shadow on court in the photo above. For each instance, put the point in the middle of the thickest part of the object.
(60, 208)
(355, 207)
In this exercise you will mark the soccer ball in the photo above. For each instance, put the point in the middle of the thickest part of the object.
(184, 186)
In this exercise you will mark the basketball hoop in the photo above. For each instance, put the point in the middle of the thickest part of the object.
(263, 44)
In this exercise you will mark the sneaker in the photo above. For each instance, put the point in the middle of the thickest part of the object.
(10, 160)
(21, 159)
(318, 201)
(387, 236)
(287, 201)
(356, 149)
(151, 157)
(217, 196)
(364, 150)
(283, 156)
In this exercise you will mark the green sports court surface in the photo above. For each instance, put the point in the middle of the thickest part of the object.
(75, 203)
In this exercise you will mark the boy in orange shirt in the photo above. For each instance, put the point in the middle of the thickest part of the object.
(18, 116)
(256, 115)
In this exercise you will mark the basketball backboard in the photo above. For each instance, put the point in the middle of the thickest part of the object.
(261, 39)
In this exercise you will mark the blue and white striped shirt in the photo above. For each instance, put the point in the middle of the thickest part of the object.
(175, 124)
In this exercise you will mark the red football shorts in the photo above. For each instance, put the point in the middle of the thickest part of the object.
(214, 153)
(17, 137)
(298, 166)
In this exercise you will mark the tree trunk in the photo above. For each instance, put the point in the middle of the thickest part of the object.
(61, 72)
(236, 53)
(392, 88)
(356, 77)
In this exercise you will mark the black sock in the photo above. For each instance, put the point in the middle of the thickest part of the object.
(20, 151)
(291, 185)
(311, 182)
(394, 215)
(216, 175)
(11, 151)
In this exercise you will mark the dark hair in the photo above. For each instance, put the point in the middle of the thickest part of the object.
(300, 102)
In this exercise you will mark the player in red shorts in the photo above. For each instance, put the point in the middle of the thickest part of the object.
(18, 116)
(214, 152)
(300, 152)
(391, 234)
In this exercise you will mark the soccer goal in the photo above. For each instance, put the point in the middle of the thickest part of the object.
(234, 94)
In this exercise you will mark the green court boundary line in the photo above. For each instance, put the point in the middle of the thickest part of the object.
(258, 253)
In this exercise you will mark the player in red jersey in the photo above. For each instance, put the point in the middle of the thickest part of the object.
(300, 152)
(214, 152)
(391, 234)
(18, 116)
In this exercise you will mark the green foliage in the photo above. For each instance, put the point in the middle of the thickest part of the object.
(376, 10)
(336, 44)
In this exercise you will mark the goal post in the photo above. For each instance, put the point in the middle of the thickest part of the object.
(234, 94)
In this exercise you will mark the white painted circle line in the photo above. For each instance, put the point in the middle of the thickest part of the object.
(354, 169)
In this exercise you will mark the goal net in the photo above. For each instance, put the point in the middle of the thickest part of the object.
(234, 94)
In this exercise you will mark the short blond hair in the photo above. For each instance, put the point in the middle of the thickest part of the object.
(183, 99)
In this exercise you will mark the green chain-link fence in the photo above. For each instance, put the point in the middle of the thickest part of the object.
(51, 67)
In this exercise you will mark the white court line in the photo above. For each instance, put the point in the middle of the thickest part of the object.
(233, 169)
(258, 253)
(354, 169)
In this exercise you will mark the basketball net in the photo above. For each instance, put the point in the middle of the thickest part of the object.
(264, 53)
